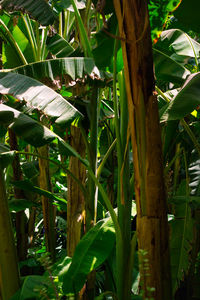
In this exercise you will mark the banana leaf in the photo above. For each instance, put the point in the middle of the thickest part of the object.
(181, 236)
(186, 100)
(61, 70)
(167, 68)
(89, 254)
(38, 9)
(38, 96)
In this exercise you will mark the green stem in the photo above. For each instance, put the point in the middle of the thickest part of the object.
(31, 35)
(100, 168)
(38, 42)
(66, 23)
(43, 42)
(60, 24)
(91, 205)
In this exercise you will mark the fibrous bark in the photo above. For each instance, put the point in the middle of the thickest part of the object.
(75, 197)
(152, 227)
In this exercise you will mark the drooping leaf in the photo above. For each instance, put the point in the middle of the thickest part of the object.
(89, 254)
(61, 69)
(58, 46)
(38, 9)
(168, 69)
(186, 100)
(178, 45)
(26, 185)
(28, 129)
(181, 237)
(37, 96)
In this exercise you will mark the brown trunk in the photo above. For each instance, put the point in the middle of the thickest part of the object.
(75, 198)
(152, 227)
(48, 208)
(21, 222)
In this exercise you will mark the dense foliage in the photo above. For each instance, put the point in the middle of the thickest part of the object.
(66, 166)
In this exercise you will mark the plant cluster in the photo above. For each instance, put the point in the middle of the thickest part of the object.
(73, 195)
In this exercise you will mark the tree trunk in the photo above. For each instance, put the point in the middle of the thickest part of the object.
(75, 198)
(152, 227)
(21, 222)
(9, 274)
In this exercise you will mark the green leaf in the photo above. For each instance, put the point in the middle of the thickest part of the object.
(179, 45)
(28, 129)
(168, 69)
(103, 53)
(16, 205)
(83, 34)
(6, 156)
(58, 46)
(181, 237)
(89, 254)
(186, 100)
(36, 134)
(26, 185)
(6, 117)
(66, 4)
(32, 286)
(158, 12)
(38, 96)
(40, 9)
(63, 69)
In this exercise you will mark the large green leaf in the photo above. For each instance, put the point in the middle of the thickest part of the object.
(28, 129)
(103, 53)
(186, 100)
(178, 45)
(38, 9)
(181, 236)
(61, 69)
(33, 132)
(167, 68)
(37, 96)
(89, 254)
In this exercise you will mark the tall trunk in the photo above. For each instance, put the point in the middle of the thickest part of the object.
(75, 198)
(48, 208)
(9, 274)
(152, 227)
(21, 223)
